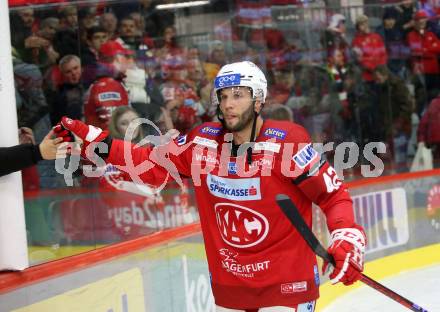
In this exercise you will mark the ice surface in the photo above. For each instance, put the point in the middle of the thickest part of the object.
(420, 286)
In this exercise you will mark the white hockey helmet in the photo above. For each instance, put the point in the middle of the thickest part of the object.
(245, 74)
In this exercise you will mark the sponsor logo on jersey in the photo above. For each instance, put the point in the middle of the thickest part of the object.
(384, 216)
(109, 96)
(228, 256)
(181, 140)
(205, 158)
(267, 146)
(290, 288)
(262, 163)
(316, 274)
(111, 169)
(306, 156)
(232, 168)
(239, 226)
(231, 264)
(275, 133)
(227, 81)
(211, 131)
(234, 189)
(205, 142)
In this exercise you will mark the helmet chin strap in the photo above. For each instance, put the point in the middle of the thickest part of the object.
(252, 138)
(220, 116)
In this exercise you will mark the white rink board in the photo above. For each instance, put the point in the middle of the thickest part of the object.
(420, 286)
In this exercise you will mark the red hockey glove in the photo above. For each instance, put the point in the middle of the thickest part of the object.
(348, 249)
(88, 134)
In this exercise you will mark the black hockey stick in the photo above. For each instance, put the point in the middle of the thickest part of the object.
(292, 213)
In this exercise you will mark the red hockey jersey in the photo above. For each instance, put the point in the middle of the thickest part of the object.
(425, 50)
(255, 257)
(102, 98)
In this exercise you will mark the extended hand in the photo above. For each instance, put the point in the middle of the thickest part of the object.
(49, 146)
(70, 129)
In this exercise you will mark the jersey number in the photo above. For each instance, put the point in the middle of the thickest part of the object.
(331, 180)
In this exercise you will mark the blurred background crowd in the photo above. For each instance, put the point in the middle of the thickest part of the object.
(357, 71)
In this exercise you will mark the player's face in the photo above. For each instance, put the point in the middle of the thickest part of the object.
(237, 108)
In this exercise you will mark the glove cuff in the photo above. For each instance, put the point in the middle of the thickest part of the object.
(354, 236)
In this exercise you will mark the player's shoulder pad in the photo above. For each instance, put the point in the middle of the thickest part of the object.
(209, 131)
(284, 131)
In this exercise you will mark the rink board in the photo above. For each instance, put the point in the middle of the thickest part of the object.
(172, 275)
(163, 278)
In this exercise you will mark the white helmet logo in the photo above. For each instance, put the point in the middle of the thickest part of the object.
(227, 80)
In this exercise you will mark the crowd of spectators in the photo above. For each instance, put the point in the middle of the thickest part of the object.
(87, 62)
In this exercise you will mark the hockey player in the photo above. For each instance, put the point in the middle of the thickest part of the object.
(257, 262)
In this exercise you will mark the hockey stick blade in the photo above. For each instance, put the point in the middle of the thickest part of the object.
(292, 213)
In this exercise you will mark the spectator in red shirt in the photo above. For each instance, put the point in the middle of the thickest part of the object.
(178, 111)
(425, 50)
(369, 48)
(107, 92)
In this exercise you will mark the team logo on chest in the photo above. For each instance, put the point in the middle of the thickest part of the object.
(240, 226)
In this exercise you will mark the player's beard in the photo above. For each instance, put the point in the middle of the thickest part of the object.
(244, 120)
